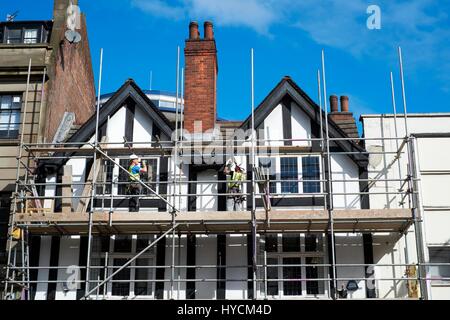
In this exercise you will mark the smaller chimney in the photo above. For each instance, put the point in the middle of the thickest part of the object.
(344, 103)
(209, 33)
(194, 34)
(334, 103)
(343, 119)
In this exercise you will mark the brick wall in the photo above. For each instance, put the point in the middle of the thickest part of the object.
(71, 87)
(200, 82)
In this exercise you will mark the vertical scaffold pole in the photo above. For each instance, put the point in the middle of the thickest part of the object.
(94, 176)
(175, 166)
(12, 219)
(329, 179)
(253, 164)
(414, 197)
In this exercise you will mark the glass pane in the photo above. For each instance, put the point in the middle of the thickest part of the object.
(294, 287)
(314, 287)
(313, 243)
(121, 288)
(291, 243)
(123, 177)
(14, 36)
(311, 171)
(96, 273)
(268, 167)
(271, 243)
(143, 288)
(151, 175)
(30, 36)
(440, 255)
(16, 102)
(122, 244)
(6, 102)
(289, 171)
(142, 242)
(272, 274)
(14, 120)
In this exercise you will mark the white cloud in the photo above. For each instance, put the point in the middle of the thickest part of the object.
(421, 27)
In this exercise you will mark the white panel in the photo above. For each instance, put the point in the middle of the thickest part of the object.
(50, 191)
(44, 261)
(301, 126)
(273, 126)
(78, 175)
(206, 254)
(437, 227)
(440, 292)
(435, 190)
(236, 255)
(428, 151)
(344, 169)
(349, 249)
(143, 126)
(68, 256)
(116, 127)
(205, 203)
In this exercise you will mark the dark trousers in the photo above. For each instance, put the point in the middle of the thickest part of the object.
(134, 190)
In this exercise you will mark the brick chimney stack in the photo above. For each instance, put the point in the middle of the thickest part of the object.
(200, 56)
(344, 119)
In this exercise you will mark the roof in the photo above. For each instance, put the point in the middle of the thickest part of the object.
(288, 87)
(128, 89)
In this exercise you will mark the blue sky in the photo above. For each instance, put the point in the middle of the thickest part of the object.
(139, 36)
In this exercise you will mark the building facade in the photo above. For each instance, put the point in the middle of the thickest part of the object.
(46, 86)
(314, 223)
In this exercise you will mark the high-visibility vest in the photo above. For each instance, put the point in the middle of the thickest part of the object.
(134, 176)
(235, 180)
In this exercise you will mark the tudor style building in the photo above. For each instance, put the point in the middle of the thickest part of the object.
(208, 252)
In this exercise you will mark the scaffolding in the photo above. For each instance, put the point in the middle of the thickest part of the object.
(256, 220)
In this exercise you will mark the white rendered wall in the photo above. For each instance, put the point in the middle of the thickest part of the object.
(236, 255)
(78, 176)
(345, 170)
(273, 126)
(350, 250)
(206, 202)
(68, 256)
(206, 254)
(301, 126)
(116, 127)
(142, 129)
(44, 261)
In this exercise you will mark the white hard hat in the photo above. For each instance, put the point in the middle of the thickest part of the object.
(133, 156)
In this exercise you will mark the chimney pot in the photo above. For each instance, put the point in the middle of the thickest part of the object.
(193, 31)
(209, 33)
(334, 103)
(344, 104)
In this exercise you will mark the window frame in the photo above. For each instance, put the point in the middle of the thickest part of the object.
(12, 110)
(436, 279)
(303, 255)
(23, 28)
(112, 256)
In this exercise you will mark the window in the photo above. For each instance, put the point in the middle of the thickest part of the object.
(294, 265)
(30, 36)
(10, 107)
(14, 36)
(291, 242)
(440, 255)
(149, 177)
(268, 169)
(311, 171)
(289, 171)
(293, 287)
(136, 280)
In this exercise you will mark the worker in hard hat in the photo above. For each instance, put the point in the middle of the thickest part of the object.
(135, 168)
(235, 176)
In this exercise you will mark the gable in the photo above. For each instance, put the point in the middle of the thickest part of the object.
(300, 119)
(128, 94)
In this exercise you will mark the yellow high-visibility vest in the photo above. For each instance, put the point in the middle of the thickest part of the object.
(236, 179)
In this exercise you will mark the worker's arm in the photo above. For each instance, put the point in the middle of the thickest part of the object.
(143, 167)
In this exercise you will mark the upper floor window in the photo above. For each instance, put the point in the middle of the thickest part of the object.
(24, 33)
(311, 171)
(289, 171)
(10, 106)
(440, 255)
